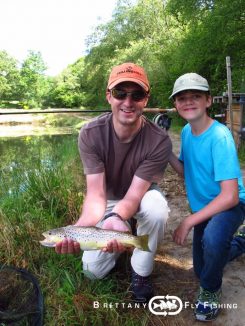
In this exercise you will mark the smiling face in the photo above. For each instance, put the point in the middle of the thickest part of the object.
(192, 105)
(127, 111)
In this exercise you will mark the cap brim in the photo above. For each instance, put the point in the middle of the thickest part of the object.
(198, 88)
(134, 80)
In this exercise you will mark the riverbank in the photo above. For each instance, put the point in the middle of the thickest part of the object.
(18, 125)
(13, 119)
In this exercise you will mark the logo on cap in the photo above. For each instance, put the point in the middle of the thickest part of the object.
(128, 72)
(129, 69)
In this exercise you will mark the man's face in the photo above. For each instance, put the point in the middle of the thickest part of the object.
(127, 108)
(192, 105)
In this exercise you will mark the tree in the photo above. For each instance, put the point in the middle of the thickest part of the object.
(9, 77)
(138, 33)
(33, 81)
(168, 38)
(68, 87)
(214, 30)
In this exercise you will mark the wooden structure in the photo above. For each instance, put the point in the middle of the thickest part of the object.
(234, 114)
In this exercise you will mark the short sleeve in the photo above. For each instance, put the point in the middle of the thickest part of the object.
(225, 160)
(92, 162)
(153, 166)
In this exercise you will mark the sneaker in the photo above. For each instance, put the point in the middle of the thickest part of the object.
(240, 232)
(141, 287)
(207, 305)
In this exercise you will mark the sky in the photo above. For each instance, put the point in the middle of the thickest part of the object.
(56, 28)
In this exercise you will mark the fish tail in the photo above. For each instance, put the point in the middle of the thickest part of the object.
(143, 242)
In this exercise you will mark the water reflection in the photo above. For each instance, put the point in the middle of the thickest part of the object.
(21, 130)
(22, 155)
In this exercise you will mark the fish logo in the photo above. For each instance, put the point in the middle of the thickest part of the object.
(165, 305)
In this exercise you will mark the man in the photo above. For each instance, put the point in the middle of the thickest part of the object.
(124, 156)
(209, 163)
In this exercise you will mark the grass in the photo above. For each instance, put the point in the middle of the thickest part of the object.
(46, 197)
(65, 120)
(71, 120)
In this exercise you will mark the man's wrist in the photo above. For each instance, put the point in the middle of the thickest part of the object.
(113, 214)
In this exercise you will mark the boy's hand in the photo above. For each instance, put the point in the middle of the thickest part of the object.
(181, 233)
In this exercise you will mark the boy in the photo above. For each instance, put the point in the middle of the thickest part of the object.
(209, 163)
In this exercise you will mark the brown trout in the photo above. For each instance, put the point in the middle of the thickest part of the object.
(93, 238)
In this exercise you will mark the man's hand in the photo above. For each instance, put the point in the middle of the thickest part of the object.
(116, 224)
(67, 246)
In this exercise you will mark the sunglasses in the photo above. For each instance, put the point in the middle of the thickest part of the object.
(136, 96)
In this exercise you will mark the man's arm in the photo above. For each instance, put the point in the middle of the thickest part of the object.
(227, 198)
(126, 208)
(93, 210)
(94, 204)
(129, 205)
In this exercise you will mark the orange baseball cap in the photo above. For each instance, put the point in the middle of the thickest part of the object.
(128, 72)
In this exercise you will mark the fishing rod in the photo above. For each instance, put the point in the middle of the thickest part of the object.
(161, 117)
(33, 111)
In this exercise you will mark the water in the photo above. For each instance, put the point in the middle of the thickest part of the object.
(21, 155)
(21, 130)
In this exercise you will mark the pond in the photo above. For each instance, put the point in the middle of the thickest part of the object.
(24, 154)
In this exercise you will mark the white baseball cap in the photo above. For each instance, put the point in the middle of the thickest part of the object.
(190, 81)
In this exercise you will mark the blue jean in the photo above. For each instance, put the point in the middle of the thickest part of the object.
(214, 246)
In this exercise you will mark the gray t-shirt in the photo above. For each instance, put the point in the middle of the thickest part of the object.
(146, 156)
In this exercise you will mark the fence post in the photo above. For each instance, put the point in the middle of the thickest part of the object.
(229, 85)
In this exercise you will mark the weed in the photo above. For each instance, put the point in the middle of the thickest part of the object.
(40, 194)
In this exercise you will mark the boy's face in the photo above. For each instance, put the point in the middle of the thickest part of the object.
(192, 105)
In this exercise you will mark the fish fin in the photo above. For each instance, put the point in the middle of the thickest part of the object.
(143, 242)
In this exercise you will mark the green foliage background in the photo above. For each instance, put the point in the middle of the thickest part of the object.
(168, 38)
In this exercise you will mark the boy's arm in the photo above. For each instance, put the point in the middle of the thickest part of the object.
(176, 164)
(227, 198)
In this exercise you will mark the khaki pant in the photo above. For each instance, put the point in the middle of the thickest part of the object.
(151, 219)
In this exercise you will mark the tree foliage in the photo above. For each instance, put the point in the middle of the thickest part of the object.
(67, 89)
(9, 77)
(167, 37)
(34, 84)
(215, 30)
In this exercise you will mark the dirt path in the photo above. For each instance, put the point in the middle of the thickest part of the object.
(174, 273)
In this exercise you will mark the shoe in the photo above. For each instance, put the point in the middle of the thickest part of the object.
(207, 305)
(141, 287)
(240, 232)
